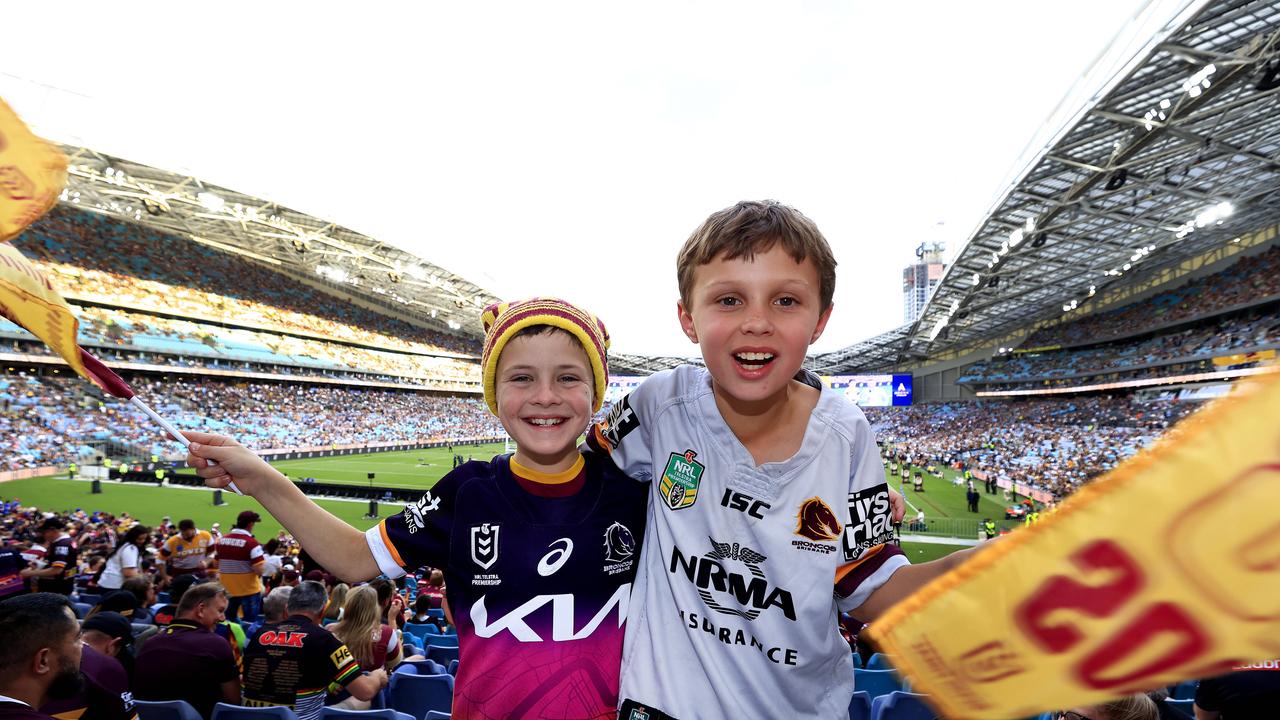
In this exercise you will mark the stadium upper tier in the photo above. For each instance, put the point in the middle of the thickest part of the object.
(1226, 319)
(55, 420)
(97, 259)
(1051, 445)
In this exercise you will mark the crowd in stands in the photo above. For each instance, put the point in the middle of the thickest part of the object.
(96, 258)
(112, 327)
(53, 420)
(1249, 281)
(1252, 330)
(166, 625)
(1053, 445)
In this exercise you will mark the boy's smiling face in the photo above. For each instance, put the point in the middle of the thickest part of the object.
(754, 321)
(544, 389)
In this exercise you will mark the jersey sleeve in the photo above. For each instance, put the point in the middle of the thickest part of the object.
(623, 434)
(166, 550)
(870, 553)
(60, 554)
(418, 535)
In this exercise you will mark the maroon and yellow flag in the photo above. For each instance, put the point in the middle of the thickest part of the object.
(1165, 569)
(32, 173)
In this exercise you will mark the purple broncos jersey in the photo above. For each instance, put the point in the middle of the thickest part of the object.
(538, 585)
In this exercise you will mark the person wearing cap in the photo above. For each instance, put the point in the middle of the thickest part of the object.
(525, 540)
(187, 552)
(58, 575)
(105, 692)
(240, 564)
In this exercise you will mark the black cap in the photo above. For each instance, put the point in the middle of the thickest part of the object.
(120, 601)
(53, 523)
(112, 624)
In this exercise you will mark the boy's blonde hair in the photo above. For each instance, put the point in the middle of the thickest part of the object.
(751, 227)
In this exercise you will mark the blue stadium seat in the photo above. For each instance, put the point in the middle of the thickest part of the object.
(1185, 690)
(223, 711)
(82, 608)
(879, 661)
(436, 715)
(453, 668)
(429, 639)
(385, 714)
(860, 706)
(442, 654)
(900, 705)
(876, 682)
(423, 667)
(419, 629)
(90, 598)
(419, 694)
(165, 710)
(436, 613)
(1186, 705)
(857, 660)
(162, 597)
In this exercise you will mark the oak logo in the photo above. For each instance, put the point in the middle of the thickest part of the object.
(815, 521)
(282, 639)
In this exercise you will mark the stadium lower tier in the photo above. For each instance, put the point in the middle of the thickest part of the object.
(56, 420)
(1054, 445)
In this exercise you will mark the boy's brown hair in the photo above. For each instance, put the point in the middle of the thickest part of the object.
(750, 227)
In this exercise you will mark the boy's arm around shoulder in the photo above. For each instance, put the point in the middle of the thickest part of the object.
(334, 544)
(623, 434)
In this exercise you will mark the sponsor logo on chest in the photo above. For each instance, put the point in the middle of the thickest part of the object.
(727, 591)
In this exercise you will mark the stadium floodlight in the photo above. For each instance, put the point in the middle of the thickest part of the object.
(977, 278)
(453, 325)
(1015, 237)
(211, 202)
(1030, 225)
(937, 328)
(434, 312)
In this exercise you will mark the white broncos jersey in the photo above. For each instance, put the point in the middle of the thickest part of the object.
(734, 609)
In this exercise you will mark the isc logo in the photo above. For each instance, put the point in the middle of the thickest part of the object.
(744, 503)
(562, 614)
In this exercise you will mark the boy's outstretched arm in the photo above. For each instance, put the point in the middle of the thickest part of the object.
(337, 546)
(906, 580)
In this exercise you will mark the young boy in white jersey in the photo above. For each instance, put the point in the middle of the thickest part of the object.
(768, 511)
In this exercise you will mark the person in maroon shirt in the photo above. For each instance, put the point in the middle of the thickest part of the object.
(40, 655)
(105, 693)
(186, 660)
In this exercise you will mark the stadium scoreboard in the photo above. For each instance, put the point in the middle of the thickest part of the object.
(865, 390)
(872, 390)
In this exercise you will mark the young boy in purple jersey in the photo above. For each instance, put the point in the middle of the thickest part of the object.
(539, 548)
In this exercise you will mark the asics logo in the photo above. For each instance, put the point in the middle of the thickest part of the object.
(551, 562)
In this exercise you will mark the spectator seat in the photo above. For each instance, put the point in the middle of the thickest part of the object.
(223, 711)
(900, 705)
(418, 694)
(165, 710)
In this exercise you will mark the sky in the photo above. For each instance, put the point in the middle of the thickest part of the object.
(569, 148)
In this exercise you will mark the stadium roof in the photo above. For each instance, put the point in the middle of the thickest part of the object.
(1173, 151)
(404, 284)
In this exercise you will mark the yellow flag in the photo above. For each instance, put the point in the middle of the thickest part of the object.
(32, 173)
(28, 299)
(1165, 569)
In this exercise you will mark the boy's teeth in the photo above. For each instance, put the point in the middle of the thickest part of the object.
(754, 356)
(545, 421)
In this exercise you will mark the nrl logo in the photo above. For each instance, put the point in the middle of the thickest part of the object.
(484, 545)
(680, 480)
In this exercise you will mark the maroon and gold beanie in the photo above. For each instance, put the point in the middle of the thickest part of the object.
(503, 320)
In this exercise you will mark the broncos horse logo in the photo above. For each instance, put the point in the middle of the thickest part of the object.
(619, 543)
(815, 521)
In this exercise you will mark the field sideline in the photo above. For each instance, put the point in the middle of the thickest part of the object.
(406, 469)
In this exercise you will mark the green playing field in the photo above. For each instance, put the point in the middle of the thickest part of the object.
(405, 469)
(418, 468)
